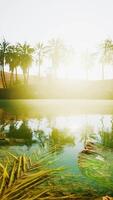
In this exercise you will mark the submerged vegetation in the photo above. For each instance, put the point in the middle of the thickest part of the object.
(23, 177)
(97, 166)
(46, 160)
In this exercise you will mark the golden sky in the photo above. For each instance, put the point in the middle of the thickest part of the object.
(82, 23)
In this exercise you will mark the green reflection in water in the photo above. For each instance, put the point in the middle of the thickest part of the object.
(65, 133)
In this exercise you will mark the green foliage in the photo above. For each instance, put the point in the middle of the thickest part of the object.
(23, 132)
(58, 139)
(106, 55)
(22, 178)
(3, 52)
(106, 138)
(14, 180)
(107, 52)
(98, 167)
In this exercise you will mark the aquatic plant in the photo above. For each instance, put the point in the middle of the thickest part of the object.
(97, 165)
(87, 134)
(25, 179)
(22, 179)
(106, 136)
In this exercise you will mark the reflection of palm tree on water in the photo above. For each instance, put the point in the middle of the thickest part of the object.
(21, 133)
(41, 138)
(56, 140)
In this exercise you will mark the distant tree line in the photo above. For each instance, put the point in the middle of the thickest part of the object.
(24, 55)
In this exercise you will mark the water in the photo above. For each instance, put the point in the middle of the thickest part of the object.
(67, 125)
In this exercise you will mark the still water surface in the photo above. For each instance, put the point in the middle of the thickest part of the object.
(67, 125)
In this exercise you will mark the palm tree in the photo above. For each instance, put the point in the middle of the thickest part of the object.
(13, 59)
(106, 54)
(40, 52)
(26, 59)
(88, 62)
(57, 53)
(3, 52)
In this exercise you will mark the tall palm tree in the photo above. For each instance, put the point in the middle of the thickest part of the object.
(26, 59)
(3, 52)
(106, 55)
(13, 59)
(88, 62)
(57, 53)
(40, 52)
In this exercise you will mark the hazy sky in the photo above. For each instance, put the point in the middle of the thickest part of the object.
(82, 23)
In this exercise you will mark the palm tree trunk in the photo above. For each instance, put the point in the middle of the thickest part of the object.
(16, 74)
(5, 83)
(2, 79)
(27, 74)
(11, 78)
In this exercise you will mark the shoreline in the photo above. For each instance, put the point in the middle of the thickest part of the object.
(60, 89)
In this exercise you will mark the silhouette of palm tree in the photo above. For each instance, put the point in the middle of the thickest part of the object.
(88, 62)
(13, 59)
(57, 52)
(26, 59)
(3, 52)
(106, 54)
(40, 52)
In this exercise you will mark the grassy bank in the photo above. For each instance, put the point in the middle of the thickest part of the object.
(61, 89)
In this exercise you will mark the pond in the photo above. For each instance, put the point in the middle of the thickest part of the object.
(79, 133)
